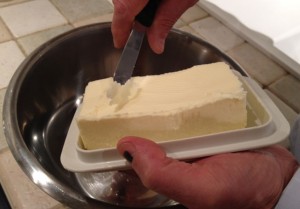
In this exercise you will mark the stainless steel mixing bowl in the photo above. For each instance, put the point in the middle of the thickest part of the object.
(43, 94)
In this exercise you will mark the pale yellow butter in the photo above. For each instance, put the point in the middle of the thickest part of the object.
(200, 100)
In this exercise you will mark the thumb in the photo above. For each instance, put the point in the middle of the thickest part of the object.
(167, 14)
(159, 172)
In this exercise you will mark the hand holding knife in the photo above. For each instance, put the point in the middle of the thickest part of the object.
(132, 48)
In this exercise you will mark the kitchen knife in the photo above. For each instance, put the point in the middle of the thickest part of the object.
(132, 48)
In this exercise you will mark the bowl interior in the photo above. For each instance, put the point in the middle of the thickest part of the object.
(44, 94)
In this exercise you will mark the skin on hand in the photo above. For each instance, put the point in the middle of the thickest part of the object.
(166, 16)
(242, 180)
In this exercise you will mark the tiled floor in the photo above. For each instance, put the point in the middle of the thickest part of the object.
(287, 88)
(215, 32)
(4, 33)
(26, 24)
(76, 10)
(10, 58)
(32, 41)
(32, 16)
(258, 65)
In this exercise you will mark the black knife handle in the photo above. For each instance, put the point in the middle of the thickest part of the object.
(146, 16)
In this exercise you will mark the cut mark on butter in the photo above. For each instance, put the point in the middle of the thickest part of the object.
(119, 95)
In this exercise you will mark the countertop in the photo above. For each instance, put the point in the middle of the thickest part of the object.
(26, 24)
(273, 26)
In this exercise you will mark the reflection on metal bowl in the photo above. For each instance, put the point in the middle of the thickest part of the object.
(44, 93)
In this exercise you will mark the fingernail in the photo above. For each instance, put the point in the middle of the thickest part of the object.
(128, 156)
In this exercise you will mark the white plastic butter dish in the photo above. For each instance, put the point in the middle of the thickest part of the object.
(266, 126)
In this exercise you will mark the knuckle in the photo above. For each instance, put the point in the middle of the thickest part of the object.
(157, 177)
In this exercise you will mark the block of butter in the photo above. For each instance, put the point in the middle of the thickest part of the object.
(201, 100)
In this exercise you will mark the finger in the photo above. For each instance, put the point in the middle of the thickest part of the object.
(164, 175)
(123, 18)
(166, 16)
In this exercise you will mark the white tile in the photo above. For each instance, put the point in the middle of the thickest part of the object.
(286, 110)
(287, 89)
(76, 10)
(190, 30)
(31, 42)
(10, 58)
(179, 23)
(96, 19)
(194, 13)
(30, 17)
(4, 33)
(216, 33)
(21, 192)
(4, 3)
(258, 65)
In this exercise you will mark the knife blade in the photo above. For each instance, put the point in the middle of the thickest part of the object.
(132, 48)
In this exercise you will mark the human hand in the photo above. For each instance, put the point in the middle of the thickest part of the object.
(166, 16)
(242, 180)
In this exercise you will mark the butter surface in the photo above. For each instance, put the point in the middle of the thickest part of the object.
(200, 100)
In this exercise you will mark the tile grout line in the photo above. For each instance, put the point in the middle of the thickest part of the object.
(15, 3)
(16, 39)
(7, 28)
(60, 12)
